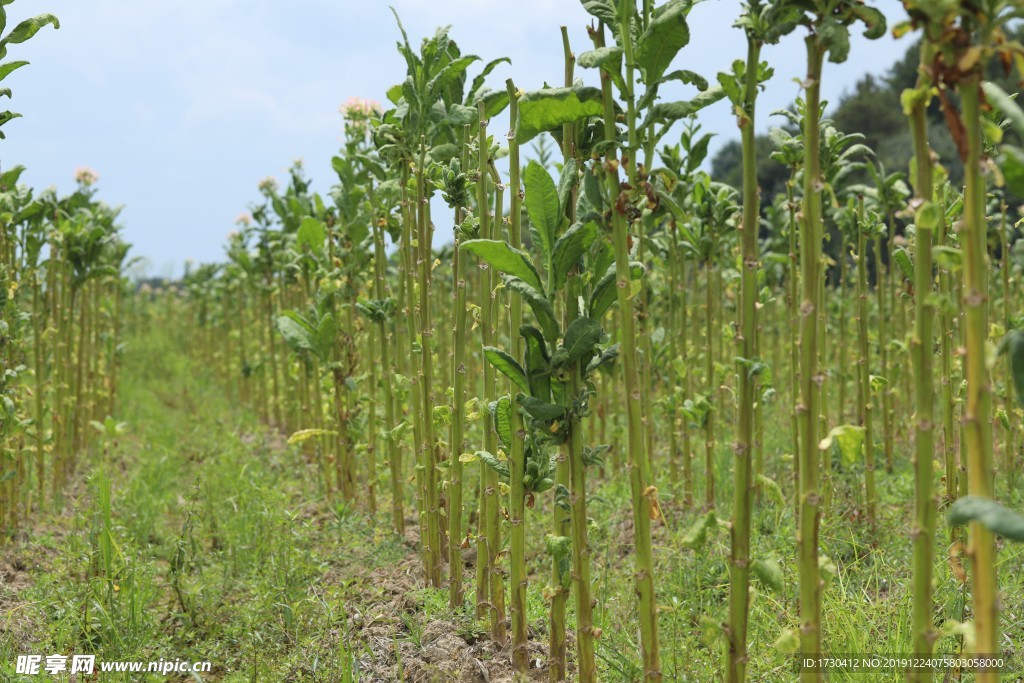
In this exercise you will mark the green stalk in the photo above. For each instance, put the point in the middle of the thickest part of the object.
(1009, 445)
(484, 558)
(371, 418)
(978, 408)
(865, 401)
(560, 520)
(792, 285)
(491, 591)
(684, 334)
(841, 346)
(394, 452)
(709, 378)
(807, 410)
(674, 352)
(921, 345)
(517, 458)
(883, 283)
(38, 323)
(415, 405)
(498, 633)
(458, 437)
(746, 348)
(271, 334)
(581, 552)
(644, 500)
(949, 431)
(432, 540)
(78, 421)
(823, 386)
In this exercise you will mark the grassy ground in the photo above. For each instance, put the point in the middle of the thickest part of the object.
(214, 545)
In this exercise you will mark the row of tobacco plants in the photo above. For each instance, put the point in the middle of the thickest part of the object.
(609, 309)
(62, 263)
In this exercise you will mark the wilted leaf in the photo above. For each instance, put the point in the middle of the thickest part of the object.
(304, 435)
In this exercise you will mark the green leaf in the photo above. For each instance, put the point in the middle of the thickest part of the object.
(669, 112)
(1013, 346)
(902, 259)
(605, 293)
(498, 466)
(569, 248)
(666, 34)
(995, 517)
(998, 98)
(494, 102)
(1011, 161)
(609, 58)
(542, 206)
(297, 332)
(788, 642)
(697, 535)
(686, 77)
(506, 259)
(550, 108)
(325, 333)
(507, 366)
(768, 572)
(873, 19)
(448, 75)
(772, 488)
(539, 409)
(827, 569)
(541, 307)
(29, 28)
(592, 189)
(581, 338)
(928, 216)
(849, 438)
(312, 234)
(478, 82)
(501, 411)
(568, 179)
(607, 355)
(605, 10)
(948, 258)
(835, 37)
(538, 369)
(560, 550)
(8, 67)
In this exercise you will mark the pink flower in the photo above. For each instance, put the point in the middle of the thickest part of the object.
(268, 186)
(86, 176)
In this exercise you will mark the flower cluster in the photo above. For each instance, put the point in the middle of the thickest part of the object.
(358, 113)
(86, 177)
(268, 186)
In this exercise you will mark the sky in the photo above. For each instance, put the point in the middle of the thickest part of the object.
(182, 106)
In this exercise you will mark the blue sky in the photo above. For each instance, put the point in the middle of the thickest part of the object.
(182, 106)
